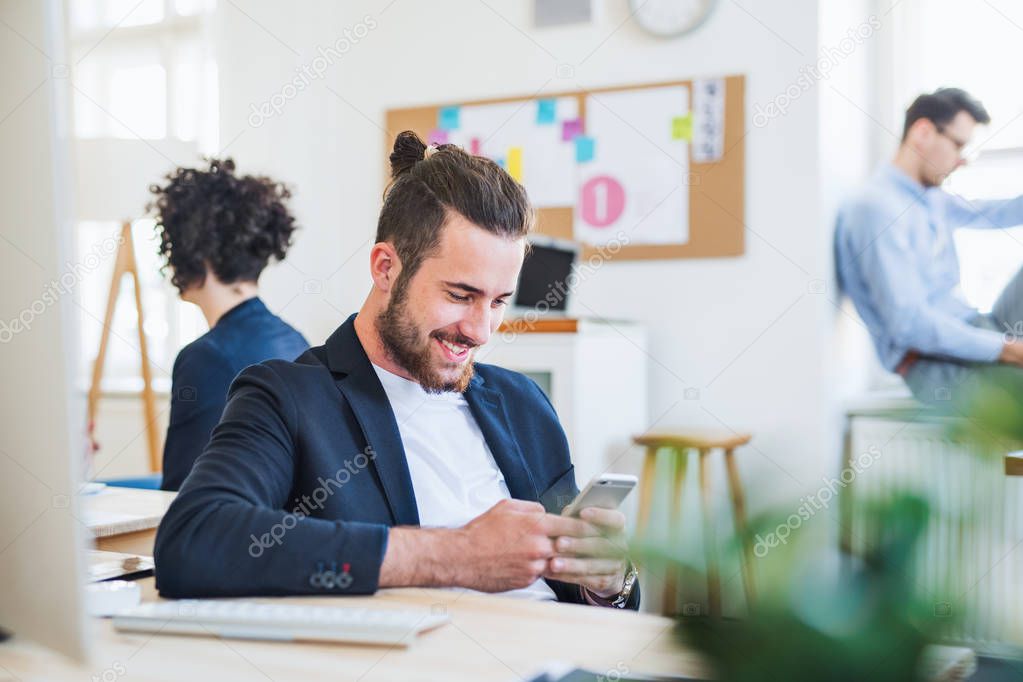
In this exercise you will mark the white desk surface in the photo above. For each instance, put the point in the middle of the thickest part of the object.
(489, 638)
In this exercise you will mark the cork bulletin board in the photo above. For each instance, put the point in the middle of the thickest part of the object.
(588, 158)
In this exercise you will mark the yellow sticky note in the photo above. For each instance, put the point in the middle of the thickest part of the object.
(515, 163)
(682, 127)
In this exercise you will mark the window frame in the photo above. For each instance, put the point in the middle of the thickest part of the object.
(169, 35)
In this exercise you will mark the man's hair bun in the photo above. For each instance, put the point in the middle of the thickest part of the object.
(408, 151)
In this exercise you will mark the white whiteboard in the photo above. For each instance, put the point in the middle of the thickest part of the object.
(635, 183)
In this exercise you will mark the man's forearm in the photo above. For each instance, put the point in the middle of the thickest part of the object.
(421, 557)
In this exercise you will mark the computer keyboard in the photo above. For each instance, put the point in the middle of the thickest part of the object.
(242, 619)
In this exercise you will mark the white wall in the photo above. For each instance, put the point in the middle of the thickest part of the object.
(746, 332)
(306, 147)
(853, 140)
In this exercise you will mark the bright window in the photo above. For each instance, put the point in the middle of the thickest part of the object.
(940, 43)
(143, 82)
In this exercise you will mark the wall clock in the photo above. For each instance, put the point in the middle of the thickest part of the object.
(670, 18)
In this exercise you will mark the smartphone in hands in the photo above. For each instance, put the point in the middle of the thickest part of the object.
(604, 490)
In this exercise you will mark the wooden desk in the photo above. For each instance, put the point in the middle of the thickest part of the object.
(489, 638)
(125, 519)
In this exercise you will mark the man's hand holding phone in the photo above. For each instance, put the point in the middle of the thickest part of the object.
(516, 542)
(596, 557)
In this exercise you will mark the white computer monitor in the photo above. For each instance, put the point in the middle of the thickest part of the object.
(42, 557)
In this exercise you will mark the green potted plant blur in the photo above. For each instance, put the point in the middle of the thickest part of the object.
(821, 615)
(824, 614)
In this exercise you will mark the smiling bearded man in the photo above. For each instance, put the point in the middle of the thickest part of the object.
(464, 466)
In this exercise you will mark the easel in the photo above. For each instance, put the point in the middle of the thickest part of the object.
(126, 264)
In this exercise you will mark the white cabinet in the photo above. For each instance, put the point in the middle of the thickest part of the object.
(596, 377)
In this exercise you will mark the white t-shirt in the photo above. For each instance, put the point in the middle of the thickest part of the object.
(454, 474)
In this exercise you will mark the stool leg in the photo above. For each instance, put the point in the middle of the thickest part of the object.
(845, 499)
(739, 512)
(646, 490)
(681, 461)
(709, 543)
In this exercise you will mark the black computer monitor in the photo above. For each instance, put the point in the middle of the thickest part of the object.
(544, 280)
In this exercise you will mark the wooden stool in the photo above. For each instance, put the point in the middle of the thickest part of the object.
(1013, 465)
(680, 443)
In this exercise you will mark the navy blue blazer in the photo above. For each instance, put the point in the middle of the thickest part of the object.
(203, 371)
(306, 473)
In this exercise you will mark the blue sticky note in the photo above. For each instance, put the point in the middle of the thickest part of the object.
(448, 118)
(584, 148)
(546, 111)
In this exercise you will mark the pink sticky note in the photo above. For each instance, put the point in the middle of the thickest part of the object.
(570, 129)
(474, 146)
(438, 136)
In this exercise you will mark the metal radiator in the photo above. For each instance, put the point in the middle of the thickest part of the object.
(970, 560)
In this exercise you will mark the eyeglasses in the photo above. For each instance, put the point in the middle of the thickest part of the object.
(960, 145)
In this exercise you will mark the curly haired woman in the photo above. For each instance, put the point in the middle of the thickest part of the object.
(217, 233)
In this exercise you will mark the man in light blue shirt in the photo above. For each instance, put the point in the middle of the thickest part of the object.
(897, 261)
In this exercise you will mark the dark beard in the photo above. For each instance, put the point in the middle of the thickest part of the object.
(404, 347)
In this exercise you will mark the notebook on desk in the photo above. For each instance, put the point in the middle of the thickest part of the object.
(117, 565)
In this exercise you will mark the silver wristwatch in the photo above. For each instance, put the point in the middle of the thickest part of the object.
(631, 576)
